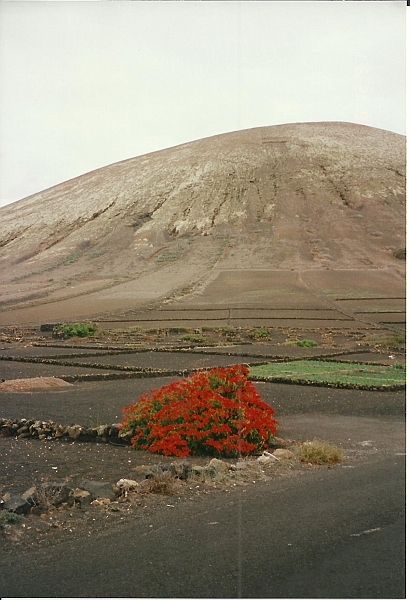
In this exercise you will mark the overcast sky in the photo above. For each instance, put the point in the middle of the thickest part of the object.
(86, 84)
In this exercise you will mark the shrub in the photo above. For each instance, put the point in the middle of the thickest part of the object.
(317, 452)
(217, 412)
(69, 330)
(260, 333)
(161, 483)
(7, 517)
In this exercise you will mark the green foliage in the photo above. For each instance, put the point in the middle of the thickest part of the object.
(70, 259)
(69, 330)
(399, 366)
(166, 256)
(7, 517)
(302, 343)
(192, 337)
(96, 254)
(260, 334)
(333, 372)
(177, 330)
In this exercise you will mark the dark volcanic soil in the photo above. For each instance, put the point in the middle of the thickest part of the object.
(363, 423)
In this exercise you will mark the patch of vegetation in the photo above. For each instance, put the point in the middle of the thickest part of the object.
(166, 256)
(192, 337)
(69, 330)
(177, 330)
(217, 412)
(68, 260)
(259, 334)
(96, 254)
(226, 328)
(386, 340)
(317, 452)
(399, 366)
(162, 483)
(302, 343)
(7, 517)
(333, 372)
(400, 254)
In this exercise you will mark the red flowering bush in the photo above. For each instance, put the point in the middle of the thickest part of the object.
(216, 412)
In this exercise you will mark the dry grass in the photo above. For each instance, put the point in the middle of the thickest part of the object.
(317, 452)
(386, 340)
(161, 483)
(47, 497)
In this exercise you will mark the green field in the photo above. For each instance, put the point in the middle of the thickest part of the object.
(355, 374)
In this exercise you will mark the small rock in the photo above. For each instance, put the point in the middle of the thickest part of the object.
(126, 485)
(152, 471)
(169, 468)
(98, 489)
(283, 454)
(267, 457)
(114, 430)
(125, 435)
(74, 431)
(219, 465)
(80, 497)
(182, 469)
(102, 430)
(30, 495)
(16, 504)
(275, 442)
(101, 502)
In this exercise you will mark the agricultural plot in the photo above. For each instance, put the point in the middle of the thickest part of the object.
(164, 360)
(333, 373)
(14, 369)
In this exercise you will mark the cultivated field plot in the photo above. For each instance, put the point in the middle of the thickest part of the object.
(374, 305)
(165, 360)
(354, 284)
(252, 350)
(13, 369)
(49, 352)
(355, 374)
(256, 288)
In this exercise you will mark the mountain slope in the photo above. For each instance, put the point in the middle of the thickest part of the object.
(300, 196)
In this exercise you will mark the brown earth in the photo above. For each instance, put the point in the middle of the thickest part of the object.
(13, 385)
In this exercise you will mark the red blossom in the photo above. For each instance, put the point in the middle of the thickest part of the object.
(216, 412)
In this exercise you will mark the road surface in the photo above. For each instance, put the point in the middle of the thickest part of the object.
(326, 533)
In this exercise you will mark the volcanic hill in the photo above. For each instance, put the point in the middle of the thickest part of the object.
(282, 216)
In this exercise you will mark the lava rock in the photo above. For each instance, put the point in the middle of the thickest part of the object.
(98, 489)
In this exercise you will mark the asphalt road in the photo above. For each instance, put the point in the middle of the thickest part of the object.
(327, 533)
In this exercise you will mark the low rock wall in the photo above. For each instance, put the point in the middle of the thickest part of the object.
(46, 430)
